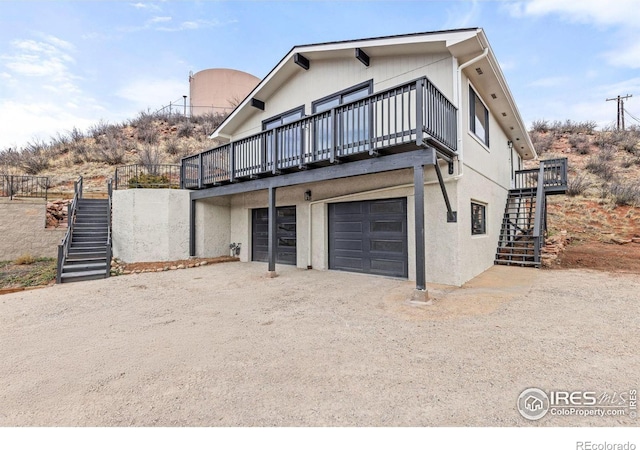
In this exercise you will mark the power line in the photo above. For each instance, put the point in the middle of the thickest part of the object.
(632, 116)
(620, 100)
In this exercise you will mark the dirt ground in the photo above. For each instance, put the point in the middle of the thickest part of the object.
(223, 345)
(601, 256)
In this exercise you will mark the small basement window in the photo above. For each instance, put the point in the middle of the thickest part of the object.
(478, 117)
(478, 218)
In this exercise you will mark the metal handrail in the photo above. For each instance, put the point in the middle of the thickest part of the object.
(555, 175)
(539, 214)
(137, 176)
(63, 247)
(24, 186)
(400, 115)
(108, 259)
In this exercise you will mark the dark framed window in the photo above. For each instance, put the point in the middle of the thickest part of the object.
(478, 218)
(353, 123)
(345, 96)
(284, 118)
(478, 117)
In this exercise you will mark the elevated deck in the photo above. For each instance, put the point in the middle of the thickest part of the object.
(401, 119)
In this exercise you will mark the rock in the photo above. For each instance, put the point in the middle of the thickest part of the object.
(636, 240)
(204, 263)
(190, 266)
(620, 241)
(173, 267)
(181, 266)
(159, 269)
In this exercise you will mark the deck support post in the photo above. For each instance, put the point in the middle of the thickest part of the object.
(272, 231)
(192, 228)
(418, 196)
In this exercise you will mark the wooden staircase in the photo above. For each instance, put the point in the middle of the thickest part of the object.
(525, 215)
(85, 252)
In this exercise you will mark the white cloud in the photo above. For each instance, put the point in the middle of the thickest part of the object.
(627, 56)
(147, 6)
(160, 19)
(550, 82)
(28, 121)
(459, 18)
(39, 81)
(152, 94)
(598, 12)
(32, 58)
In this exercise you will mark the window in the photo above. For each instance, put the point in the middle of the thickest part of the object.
(478, 117)
(346, 96)
(354, 129)
(289, 149)
(478, 218)
(283, 119)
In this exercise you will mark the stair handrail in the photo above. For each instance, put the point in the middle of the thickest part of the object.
(538, 230)
(110, 194)
(63, 247)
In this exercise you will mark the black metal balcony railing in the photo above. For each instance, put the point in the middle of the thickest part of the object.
(554, 175)
(23, 186)
(397, 116)
(147, 176)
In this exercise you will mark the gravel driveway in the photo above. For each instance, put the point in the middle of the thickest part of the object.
(223, 345)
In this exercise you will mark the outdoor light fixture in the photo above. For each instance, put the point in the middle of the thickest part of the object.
(301, 61)
(362, 57)
(307, 196)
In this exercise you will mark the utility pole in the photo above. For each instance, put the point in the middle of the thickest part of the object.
(620, 100)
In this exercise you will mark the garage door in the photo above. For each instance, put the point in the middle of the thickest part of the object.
(369, 237)
(285, 235)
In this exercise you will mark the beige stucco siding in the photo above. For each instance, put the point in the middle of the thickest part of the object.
(312, 219)
(326, 77)
(213, 227)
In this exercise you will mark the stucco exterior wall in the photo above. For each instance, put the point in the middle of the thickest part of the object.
(213, 227)
(332, 75)
(150, 225)
(23, 232)
(224, 224)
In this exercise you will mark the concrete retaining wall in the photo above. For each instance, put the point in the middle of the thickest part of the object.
(150, 225)
(22, 230)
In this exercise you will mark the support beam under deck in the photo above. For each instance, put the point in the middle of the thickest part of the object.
(273, 241)
(418, 192)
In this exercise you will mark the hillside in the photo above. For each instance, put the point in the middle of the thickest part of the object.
(601, 212)
(150, 138)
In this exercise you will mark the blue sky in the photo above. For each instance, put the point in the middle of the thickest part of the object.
(73, 63)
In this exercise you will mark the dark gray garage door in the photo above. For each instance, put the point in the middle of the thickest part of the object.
(369, 237)
(285, 234)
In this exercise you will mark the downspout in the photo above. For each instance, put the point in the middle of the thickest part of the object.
(462, 66)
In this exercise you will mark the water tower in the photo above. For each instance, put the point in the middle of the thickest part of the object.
(219, 90)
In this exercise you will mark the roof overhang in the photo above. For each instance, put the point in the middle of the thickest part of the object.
(464, 44)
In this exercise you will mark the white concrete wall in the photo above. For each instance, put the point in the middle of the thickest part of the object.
(151, 225)
(23, 232)
(329, 76)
